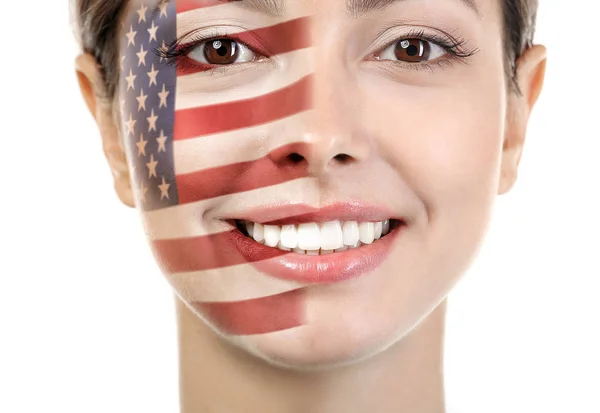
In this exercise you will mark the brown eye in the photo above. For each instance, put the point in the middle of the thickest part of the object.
(411, 51)
(222, 52)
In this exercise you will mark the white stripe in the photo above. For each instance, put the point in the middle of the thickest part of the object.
(203, 217)
(227, 14)
(240, 282)
(201, 89)
(240, 145)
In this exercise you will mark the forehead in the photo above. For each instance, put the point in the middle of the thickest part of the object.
(353, 8)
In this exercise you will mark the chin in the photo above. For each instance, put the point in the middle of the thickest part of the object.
(313, 348)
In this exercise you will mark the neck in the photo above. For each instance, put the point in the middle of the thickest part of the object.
(218, 377)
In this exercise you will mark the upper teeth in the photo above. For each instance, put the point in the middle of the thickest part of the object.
(312, 237)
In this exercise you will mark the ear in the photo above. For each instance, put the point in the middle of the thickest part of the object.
(531, 69)
(91, 85)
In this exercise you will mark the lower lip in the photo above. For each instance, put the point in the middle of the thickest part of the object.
(316, 269)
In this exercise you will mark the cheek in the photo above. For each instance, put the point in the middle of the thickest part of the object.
(445, 142)
(446, 145)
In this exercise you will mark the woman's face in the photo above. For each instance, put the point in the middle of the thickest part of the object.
(363, 143)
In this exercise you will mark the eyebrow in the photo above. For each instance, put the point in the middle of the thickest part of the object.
(358, 7)
(273, 8)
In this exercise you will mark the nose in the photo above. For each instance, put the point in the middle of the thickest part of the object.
(331, 136)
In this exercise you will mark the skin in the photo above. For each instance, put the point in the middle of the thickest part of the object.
(436, 146)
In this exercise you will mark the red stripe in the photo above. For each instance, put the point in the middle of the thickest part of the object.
(240, 177)
(269, 41)
(206, 120)
(187, 5)
(201, 253)
(257, 316)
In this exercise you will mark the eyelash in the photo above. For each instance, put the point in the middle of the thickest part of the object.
(456, 50)
(176, 53)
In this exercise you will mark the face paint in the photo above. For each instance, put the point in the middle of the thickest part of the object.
(229, 116)
(258, 316)
(164, 129)
(274, 40)
(190, 5)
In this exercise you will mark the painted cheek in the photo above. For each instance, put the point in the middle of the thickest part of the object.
(154, 129)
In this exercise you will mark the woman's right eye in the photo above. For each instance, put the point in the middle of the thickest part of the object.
(219, 52)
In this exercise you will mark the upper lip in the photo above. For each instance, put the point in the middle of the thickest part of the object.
(290, 214)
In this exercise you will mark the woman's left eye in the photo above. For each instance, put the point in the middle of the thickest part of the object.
(411, 51)
(222, 52)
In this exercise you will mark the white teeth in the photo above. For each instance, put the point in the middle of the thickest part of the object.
(332, 236)
(272, 235)
(378, 229)
(309, 236)
(258, 233)
(318, 239)
(366, 232)
(350, 229)
(281, 247)
(289, 236)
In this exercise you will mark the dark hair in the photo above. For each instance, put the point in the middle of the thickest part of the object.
(97, 23)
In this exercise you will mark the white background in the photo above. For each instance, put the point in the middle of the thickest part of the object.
(87, 321)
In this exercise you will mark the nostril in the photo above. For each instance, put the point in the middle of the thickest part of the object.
(295, 157)
(342, 157)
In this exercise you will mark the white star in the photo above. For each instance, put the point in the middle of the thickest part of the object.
(164, 189)
(130, 125)
(131, 80)
(162, 140)
(142, 100)
(152, 30)
(152, 74)
(163, 97)
(152, 167)
(152, 122)
(142, 56)
(163, 9)
(142, 12)
(122, 63)
(122, 106)
(141, 144)
(131, 37)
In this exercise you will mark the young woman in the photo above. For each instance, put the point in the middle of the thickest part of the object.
(314, 178)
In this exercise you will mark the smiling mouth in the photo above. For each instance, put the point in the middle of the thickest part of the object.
(318, 238)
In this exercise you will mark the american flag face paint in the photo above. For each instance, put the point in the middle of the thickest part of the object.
(193, 140)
